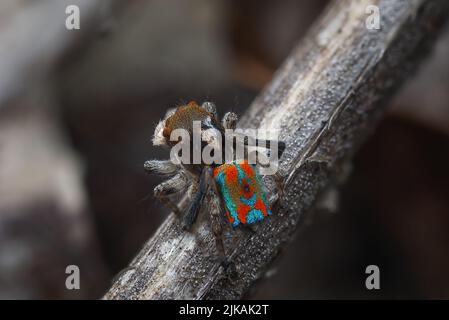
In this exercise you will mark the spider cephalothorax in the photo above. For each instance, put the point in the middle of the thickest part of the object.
(184, 116)
(235, 182)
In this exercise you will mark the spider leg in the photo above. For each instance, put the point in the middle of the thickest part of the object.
(210, 106)
(216, 214)
(195, 205)
(188, 196)
(279, 181)
(267, 145)
(170, 187)
(264, 143)
(193, 189)
(229, 120)
(170, 204)
(256, 156)
(160, 167)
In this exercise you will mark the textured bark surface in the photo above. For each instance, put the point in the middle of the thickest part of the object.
(325, 99)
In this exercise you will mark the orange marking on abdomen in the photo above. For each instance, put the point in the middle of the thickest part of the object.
(246, 167)
(242, 212)
(231, 175)
(260, 205)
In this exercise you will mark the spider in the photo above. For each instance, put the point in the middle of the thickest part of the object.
(236, 183)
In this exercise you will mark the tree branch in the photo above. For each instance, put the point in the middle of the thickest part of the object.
(325, 99)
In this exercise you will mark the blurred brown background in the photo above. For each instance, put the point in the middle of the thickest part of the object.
(78, 109)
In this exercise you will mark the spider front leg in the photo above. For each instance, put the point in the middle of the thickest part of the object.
(160, 167)
(170, 187)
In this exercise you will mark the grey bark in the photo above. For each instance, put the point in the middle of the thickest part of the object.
(326, 99)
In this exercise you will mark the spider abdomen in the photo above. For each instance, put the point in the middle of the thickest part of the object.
(242, 193)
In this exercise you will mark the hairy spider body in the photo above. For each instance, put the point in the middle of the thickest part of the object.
(236, 183)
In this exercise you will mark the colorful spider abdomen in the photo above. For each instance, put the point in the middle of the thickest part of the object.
(242, 193)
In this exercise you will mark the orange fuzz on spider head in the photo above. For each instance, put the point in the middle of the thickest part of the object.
(242, 193)
(184, 116)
